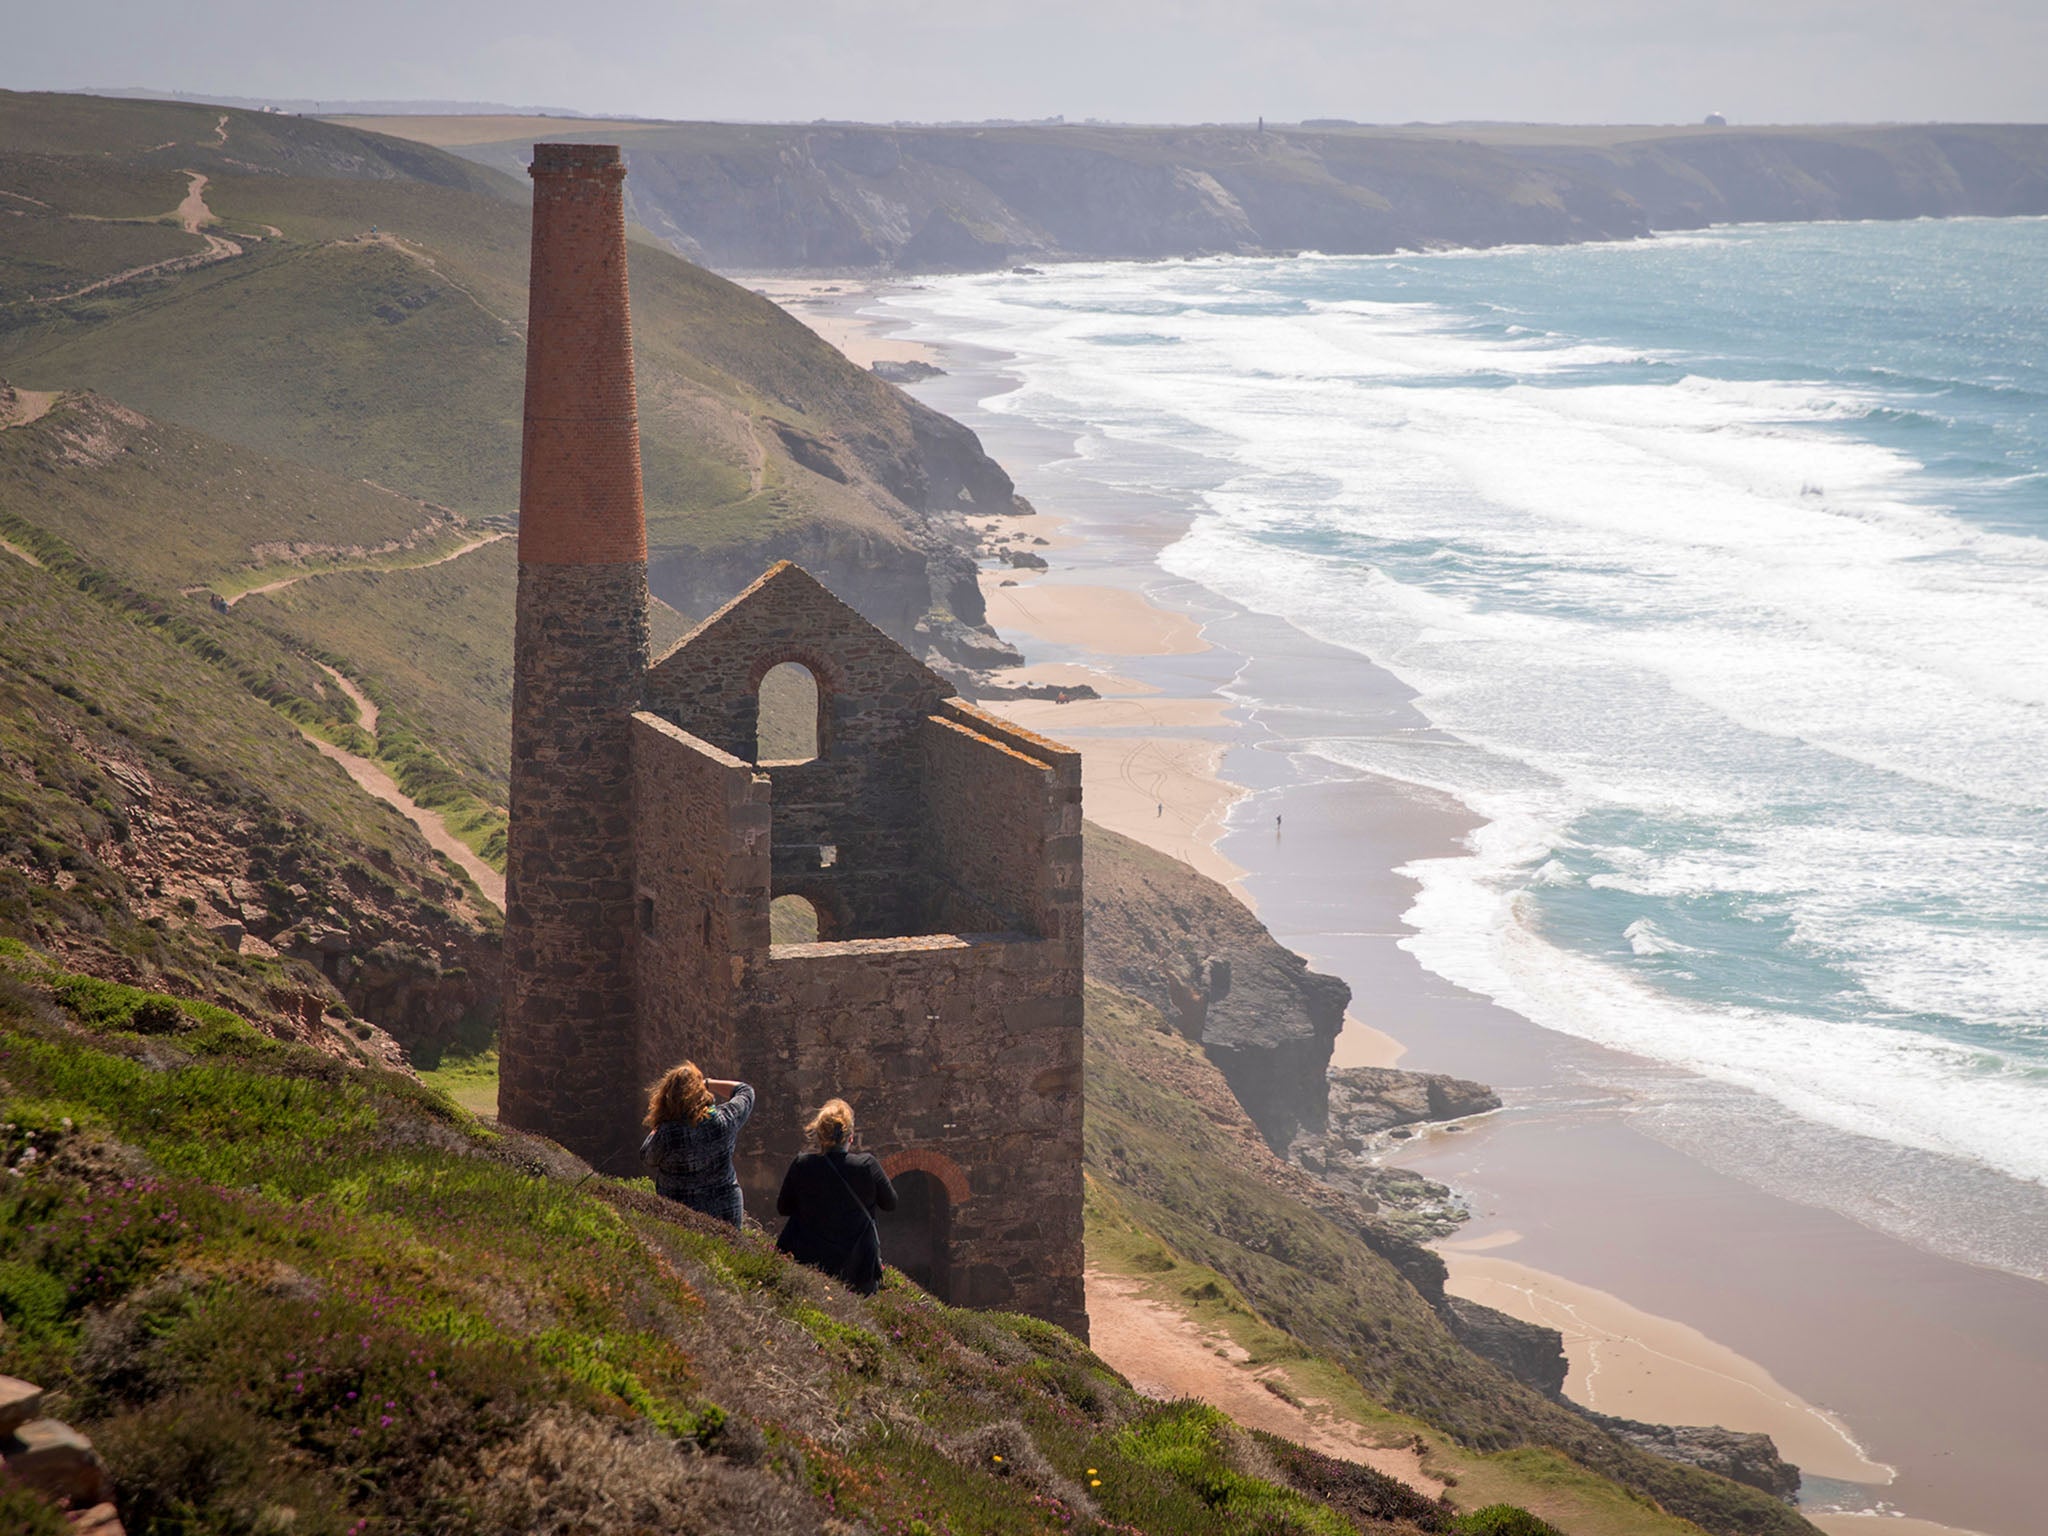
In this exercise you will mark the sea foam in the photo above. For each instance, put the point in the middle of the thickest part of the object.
(1719, 566)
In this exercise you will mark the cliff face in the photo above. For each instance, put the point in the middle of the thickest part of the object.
(1775, 175)
(1184, 944)
(966, 199)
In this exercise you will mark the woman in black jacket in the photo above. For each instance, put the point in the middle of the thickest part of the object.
(830, 1197)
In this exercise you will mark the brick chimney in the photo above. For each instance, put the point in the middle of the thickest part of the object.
(566, 1047)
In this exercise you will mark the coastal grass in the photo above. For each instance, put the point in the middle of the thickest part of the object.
(264, 1281)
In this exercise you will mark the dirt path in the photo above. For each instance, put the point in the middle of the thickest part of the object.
(366, 710)
(414, 254)
(349, 570)
(20, 554)
(1168, 1355)
(374, 779)
(19, 407)
(193, 215)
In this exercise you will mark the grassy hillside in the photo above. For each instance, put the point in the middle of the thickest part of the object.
(164, 822)
(281, 1294)
(372, 326)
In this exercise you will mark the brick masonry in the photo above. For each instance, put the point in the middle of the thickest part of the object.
(940, 844)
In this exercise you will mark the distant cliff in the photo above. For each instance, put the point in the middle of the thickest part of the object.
(759, 198)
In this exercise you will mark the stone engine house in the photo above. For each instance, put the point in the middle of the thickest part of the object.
(939, 847)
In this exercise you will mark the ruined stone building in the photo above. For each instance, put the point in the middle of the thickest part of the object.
(939, 847)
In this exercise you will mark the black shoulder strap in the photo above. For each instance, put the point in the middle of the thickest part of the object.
(858, 1204)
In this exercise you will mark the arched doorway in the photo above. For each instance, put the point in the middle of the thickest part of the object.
(787, 716)
(917, 1236)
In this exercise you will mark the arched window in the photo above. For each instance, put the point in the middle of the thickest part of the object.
(917, 1236)
(786, 727)
(792, 920)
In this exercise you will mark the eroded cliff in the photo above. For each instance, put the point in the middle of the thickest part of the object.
(967, 198)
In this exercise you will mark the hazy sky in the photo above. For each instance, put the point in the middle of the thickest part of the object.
(1139, 60)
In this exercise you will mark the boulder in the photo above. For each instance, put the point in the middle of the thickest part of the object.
(57, 1462)
(906, 370)
(20, 1401)
(1365, 1101)
(1745, 1457)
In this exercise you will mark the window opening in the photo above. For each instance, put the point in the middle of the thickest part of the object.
(786, 728)
(792, 920)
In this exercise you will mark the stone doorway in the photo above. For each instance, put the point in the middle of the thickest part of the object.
(917, 1235)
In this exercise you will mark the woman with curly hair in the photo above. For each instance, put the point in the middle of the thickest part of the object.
(690, 1138)
(830, 1197)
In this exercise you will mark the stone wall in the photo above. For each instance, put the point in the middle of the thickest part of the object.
(862, 796)
(1002, 828)
(700, 895)
(961, 1052)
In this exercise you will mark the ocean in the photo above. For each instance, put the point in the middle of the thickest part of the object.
(1718, 564)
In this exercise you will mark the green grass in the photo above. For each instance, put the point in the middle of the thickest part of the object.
(470, 1081)
(265, 1282)
(173, 507)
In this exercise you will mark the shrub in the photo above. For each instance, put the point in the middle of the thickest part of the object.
(23, 1514)
(1503, 1520)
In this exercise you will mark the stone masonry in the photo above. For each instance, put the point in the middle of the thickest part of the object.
(939, 845)
(580, 655)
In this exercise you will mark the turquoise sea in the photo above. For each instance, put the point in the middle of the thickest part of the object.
(1719, 562)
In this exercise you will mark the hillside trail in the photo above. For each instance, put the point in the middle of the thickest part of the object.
(420, 258)
(192, 215)
(353, 570)
(1166, 1354)
(367, 714)
(371, 777)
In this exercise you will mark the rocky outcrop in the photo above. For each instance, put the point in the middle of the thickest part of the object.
(1368, 1108)
(1747, 1458)
(971, 198)
(1365, 1101)
(1188, 947)
(1529, 1352)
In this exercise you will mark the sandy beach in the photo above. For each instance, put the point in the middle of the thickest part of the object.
(1909, 1386)
(830, 307)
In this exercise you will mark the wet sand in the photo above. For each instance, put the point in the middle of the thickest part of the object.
(1632, 1365)
(1742, 1304)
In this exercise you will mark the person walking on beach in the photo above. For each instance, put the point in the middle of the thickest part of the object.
(690, 1137)
(830, 1197)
